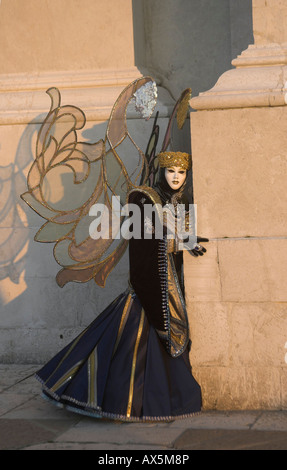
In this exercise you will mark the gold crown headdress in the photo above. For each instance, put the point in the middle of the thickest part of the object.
(169, 159)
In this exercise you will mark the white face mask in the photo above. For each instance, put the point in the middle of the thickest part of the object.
(175, 176)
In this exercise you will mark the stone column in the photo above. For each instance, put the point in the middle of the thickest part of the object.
(237, 293)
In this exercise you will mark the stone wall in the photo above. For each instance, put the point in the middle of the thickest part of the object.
(238, 292)
(37, 35)
(86, 49)
(190, 43)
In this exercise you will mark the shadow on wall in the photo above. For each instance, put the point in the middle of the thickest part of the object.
(190, 43)
(14, 214)
(37, 317)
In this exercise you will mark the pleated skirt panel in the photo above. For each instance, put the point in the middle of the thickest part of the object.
(117, 368)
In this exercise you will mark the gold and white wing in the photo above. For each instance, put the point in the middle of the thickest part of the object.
(68, 177)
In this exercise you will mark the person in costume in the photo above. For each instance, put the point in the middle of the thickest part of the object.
(132, 362)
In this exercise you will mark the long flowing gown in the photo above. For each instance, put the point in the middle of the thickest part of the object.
(132, 362)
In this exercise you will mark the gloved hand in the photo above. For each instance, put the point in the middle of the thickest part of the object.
(198, 250)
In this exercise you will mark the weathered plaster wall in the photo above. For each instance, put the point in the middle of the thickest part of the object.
(190, 43)
(37, 35)
(238, 292)
(86, 49)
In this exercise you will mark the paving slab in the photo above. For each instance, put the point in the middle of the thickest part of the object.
(221, 439)
(18, 433)
(38, 408)
(100, 432)
(98, 447)
(271, 420)
(11, 374)
(219, 420)
(11, 401)
(28, 422)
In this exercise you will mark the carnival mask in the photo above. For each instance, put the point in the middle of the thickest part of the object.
(175, 177)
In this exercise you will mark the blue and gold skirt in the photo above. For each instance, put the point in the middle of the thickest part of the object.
(118, 368)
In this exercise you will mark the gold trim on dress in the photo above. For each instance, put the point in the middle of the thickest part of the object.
(66, 377)
(75, 342)
(92, 374)
(132, 379)
(152, 195)
(124, 318)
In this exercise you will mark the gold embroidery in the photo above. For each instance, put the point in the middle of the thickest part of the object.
(170, 159)
(131, 392)
(151, 194)
(171, 245)
(179, 331)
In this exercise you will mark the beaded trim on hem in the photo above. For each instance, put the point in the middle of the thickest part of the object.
(131, 419)
(98, 413)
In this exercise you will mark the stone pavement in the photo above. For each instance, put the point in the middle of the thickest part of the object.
(27, 422)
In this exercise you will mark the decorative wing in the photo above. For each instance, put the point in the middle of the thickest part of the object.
(180, 112)
(67, 178)
(151, 153)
